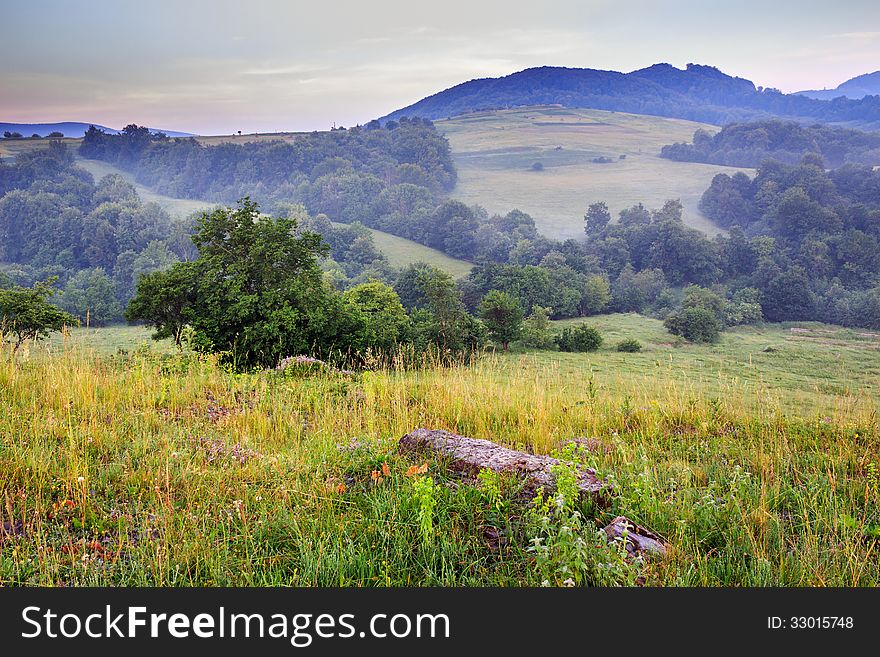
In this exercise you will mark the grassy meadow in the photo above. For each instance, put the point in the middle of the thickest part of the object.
(125, 463)
(494, 153)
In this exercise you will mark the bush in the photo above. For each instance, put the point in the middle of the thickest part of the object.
(579, 338)
(630, 346)
(697, 324)
(536, 330)
(537, 166)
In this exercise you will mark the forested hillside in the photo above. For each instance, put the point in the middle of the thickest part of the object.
(749, 144)
(98, 238)
(698, 93)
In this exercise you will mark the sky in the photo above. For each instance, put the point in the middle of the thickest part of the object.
(216, 67)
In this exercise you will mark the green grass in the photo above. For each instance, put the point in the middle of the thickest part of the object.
(178, 207)
(494, 152)
(157, 468)
(401, 251)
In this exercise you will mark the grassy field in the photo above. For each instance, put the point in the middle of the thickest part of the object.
(401, 251)
(178, 207)
(149, 467)
(494, 153)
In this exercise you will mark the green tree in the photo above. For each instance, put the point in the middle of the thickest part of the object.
(385, 322)
(255, 292)
(503, 317)
(536, 329)
(697, 324)
(90, 294)
(596, 295)
(164, 299)
(596, 219)
(26, 314)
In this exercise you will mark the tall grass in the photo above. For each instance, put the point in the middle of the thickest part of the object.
(163, 469)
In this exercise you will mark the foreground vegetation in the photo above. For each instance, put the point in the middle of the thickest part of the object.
(756, 458)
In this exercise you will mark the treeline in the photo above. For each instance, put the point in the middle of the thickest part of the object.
(343, 173)
(808, 238)
(98, 239)
(749, 144)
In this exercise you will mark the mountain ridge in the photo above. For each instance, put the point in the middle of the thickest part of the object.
(697, 92)
(867, 84)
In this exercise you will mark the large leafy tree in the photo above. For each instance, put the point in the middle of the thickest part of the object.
(255, 293)
(26, 314)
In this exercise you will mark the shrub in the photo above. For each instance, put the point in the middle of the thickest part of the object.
(537, 166)
(579, 338)
(536, 332)
(697, 324)
(630, 346)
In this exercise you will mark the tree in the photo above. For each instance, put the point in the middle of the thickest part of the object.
(536, 329)
(596, 219)
(596, 296)
(26, 314)
(788, 297)
(697, 324)
(503, 317)
(385, 322)
(744, 308)
(90, 294)
(255, 292)
(164, 299)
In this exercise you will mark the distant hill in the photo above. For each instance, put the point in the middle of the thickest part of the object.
(697, 93)
(857, 87)
(70, 129)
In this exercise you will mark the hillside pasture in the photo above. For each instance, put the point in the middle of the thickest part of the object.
(495, 152)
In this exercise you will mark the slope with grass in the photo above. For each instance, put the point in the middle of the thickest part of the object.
(400, 251)
(495, 151)
(164, 469)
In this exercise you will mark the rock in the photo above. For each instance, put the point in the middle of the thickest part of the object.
(638, 539)
(470, 455)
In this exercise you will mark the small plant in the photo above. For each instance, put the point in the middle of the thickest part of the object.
(538, 166)
(490, 482)
(426, 497)
(629, 346)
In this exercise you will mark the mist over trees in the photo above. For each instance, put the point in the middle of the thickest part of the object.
(750, 144)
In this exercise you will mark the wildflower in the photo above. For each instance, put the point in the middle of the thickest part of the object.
(414, 470)
(386, 470)
(341, 488)
(569, 582)
(80, 479)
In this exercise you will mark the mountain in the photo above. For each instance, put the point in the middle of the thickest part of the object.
(70, 129)
(857, 87)
(697, 93)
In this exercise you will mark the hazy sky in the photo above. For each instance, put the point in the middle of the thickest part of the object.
(262, 65)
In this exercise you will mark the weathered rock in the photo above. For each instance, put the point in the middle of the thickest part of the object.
(638, 539)
(470, 455)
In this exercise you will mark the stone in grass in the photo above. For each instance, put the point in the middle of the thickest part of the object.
(470, 455)
(639, 541)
